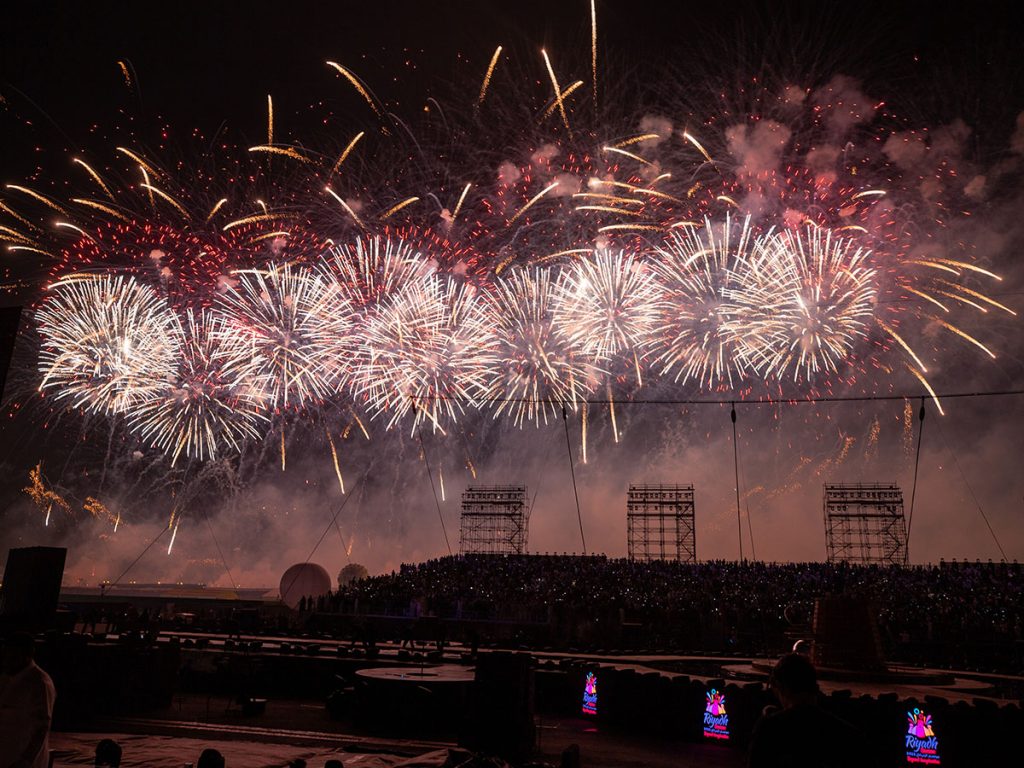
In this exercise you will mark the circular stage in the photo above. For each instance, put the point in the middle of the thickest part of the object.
(424, 676)
(412, 700)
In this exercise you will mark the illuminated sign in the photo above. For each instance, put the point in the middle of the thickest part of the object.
(716, 719)
(590, 694)
(922, 744)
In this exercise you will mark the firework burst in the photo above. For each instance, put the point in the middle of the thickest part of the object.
(537, 370)
(430, 349)
(607, 307)
(299, 324)
(107, 343)
(215, 402)
(810, 298)
(701, 271)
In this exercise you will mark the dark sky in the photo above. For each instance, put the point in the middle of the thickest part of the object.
(200, 63)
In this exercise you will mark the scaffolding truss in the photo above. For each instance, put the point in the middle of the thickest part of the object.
(660, 523)
(864, 523)
(494, 520)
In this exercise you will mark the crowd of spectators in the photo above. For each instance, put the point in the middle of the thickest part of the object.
(949, 604)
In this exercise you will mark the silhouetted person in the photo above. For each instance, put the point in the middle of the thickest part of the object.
(802, 734)
(108, 752)
(210, 758)
(334, 764)
(26, 706)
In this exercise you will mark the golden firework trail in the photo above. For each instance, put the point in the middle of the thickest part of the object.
(361, 426)
(611, 410)
(11, 212)
(216, 207)
(360, 88)
(530, 202)
(125, 73)
(899, 340)
(634, 140)
(626, 153)
(96, 178)
(558, 92)
(399, 206)
(583, 431)
(347, 151)
(593, 49)
(100, 207)
(146, 166)
(462, 198)
(73, 228)
(37, 196)
(344, 205)
(164, 196)
(977, 295)
(253, 219)
(966, 336)
(294, 154)
(270, 120)
(334, 457)
(487, 76)
(550, 109)
(926, 385)
(692, 139)
(174, 535)
(145, 183)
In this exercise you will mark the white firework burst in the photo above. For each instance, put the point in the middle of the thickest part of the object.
(810, 297)
(428, 349)
(700, 329)
(107, 342)
(607, 306)
(538, 370)
(216, 400)
(301, 329)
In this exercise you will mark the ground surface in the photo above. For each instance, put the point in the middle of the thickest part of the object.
(292, 729)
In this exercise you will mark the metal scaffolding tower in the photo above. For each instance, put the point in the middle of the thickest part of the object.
(494, 520)
(660, 523)
(864, 523)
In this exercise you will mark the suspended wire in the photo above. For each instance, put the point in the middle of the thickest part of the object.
(324, 534)
(765, 401)
(974, 497)
(750, 532)
(913, 490)
(156, 538)
(572, 471)
(224, 562)
(146, 549)
(736, 467)
(433, 490)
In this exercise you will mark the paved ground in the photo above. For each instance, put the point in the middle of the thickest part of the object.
(291, 729)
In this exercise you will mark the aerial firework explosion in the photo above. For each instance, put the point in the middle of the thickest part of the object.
(527, 254)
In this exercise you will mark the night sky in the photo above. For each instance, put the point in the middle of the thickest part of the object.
(205, 69)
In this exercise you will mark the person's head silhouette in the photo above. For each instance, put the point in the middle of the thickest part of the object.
(108, 753)
(794, 680)
(210, 758)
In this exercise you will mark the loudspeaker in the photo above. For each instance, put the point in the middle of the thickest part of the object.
(31, 587)
(10, 317)
(500, 719)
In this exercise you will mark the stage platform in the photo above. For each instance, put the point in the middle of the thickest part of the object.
(908, 682)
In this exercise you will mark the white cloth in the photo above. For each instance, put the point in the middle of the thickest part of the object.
(26, 707)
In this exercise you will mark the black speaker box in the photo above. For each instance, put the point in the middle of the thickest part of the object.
(31, 587)
(500, 719)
